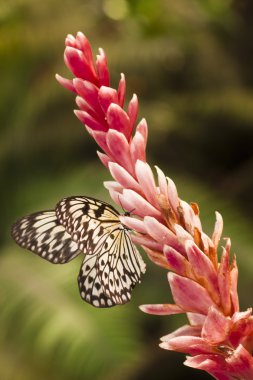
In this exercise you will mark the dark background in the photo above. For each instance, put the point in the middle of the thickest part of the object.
(191, 64)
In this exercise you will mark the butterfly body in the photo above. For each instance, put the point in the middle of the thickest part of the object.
(112, 265)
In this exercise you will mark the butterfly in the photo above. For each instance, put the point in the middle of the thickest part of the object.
(112, 265)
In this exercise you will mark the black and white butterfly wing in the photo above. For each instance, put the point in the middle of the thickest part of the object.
(90, 285)
(112, 265)
(42, 234)
(120, 265)
(87, 220)
(108, 277)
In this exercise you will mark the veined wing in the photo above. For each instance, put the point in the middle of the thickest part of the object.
(112, 265)
(108, 277)
(90, 285)
(87, 220)
(42, 234)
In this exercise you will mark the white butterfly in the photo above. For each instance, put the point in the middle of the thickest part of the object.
(112, 265)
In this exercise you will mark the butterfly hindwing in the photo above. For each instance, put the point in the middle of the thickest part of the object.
(120, 266)
(42, 234)
(90, 285)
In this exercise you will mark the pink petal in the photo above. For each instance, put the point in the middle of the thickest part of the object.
(100, 138)
(173, 196)
(89, 92)
(147, 242)
(182, 234)
(84, 45)
(228, 245)
(196, 219)
(134, 224)
(83, 105)
(189, 295)
(241, 315)
(134, 201)
(132, 112)
(118, 119)
(196, 319)
(213, 364)
(122, 90)
(162, 182)
(188, 216)
(241, 363)
(161, 309)
(137, 148)
(188, 344)
(97, 114)
(123, 177)
(115, 190)
(70, 41)
(102, 69)
(88, 120)
(106, 96)
(216, 327)
(91, 132)
(113, 185)
(77, 63)
(218, 227)
(119, 149)
(146, 180)
(161, 233)
(115, 195)
(177, 262)
(224, 282)
(198, 225)
(203, 269)
(139, 142)
(67, 83)
(142, 128)
(242, 331)
(234, 281)
(207, 244)
(157, 257)
(183, 331)
(104, 159)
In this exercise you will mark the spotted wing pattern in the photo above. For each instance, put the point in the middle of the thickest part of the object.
(42, 234)
(110, 275)
(112, 265)
(88, 221)
(90, 286)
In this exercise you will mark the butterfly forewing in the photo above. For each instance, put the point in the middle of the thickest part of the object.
(87, 220)
(42, 234)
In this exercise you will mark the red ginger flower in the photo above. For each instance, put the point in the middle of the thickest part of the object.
(219, 337)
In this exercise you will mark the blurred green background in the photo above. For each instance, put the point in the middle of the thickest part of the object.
(190, 62)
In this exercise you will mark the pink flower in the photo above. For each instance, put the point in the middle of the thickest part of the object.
(219, 337)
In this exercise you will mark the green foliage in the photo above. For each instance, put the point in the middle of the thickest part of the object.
(190, 62)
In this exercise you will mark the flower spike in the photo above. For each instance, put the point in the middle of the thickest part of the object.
(219, 337)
